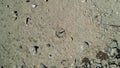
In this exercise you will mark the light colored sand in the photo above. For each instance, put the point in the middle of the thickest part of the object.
(95, 22)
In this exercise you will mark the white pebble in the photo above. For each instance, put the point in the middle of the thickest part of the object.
(34, 6)
(84, 1)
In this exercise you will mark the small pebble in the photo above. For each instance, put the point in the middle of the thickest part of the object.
(7, 6)
(48, 45)
(46, 0)
(84, 1)
(86, 62)
(36, 48)
(34, 6)
(43, 65)
(21, 66)
(77, 66)
(118, 54)
(102, 56)
(60, 33)
(27, 0)
(27, 21)
(98, 65)
(114, 44)
(113, 52)
(2, 67)
(87, 44)
(16, 13)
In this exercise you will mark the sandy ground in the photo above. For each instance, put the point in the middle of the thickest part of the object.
(59, 33)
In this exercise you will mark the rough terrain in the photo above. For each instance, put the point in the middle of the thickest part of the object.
(59, 34)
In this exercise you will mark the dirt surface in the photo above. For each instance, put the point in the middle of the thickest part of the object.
(59, 34)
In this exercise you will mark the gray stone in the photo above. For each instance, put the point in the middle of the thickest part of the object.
(114, 44)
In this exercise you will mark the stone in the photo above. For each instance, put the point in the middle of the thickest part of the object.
(34, 6)
(102, 56)
(60, 33)
(114, 44)
(43, 65)
(86, 62)
(98, 65)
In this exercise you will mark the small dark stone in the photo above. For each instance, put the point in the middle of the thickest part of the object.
(48, 45)
(86, 60)
(2, 67)
(16, 13)
(22, 66)
(50, 55)
(75, 60)
(20, 46)
(77, 67)
(86, 63)
(7, 6)
(15, 18)
(118, 64)
(27, 0)
(9, 33)
(63, 62)
(86, 43)
(34, 40)
(46, 0)
(60, 33)
(118, 55)
(43, 65)
(27, 20)
(101, 55)
(72, 38)
(112, 63)
(36, 48)
(96, 16)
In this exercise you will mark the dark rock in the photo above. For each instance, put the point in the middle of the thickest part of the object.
(43, 65)
(77, 66)
(46, 0)
(20, 47)
(36, 48)
(16, 13)
(72, 38)
(21, 66)
(112, 63)
(63, 61)
(50, 55)
(7, 6)
(118, 54)
(48, 45)
(27, 20)
(60, 33)
(2, 67)
(102, 56)
(86, 63)
(85, 60)
(118, 64)
(86, 43)
(27, 0)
